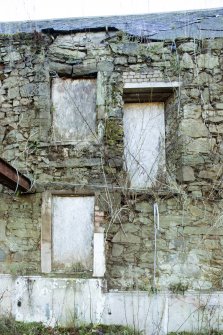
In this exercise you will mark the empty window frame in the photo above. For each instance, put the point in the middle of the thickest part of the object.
(144, 143)
(74, 109)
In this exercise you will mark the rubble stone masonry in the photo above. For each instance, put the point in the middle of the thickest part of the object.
(185, 251)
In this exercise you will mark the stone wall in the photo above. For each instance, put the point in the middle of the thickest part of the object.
(20, 234)
(187, 250)
(25, 99)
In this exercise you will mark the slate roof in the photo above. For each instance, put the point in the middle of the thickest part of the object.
(159, 26)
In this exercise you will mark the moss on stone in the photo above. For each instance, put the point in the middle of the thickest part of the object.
(113, 132)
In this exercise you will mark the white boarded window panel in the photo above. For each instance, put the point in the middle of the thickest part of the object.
(74, 109)
(144, 140)
(72, 232)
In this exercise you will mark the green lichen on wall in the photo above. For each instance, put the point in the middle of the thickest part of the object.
(20, 226)
(113, 132)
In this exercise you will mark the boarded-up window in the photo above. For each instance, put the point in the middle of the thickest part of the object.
(144, 137)
(74, 103)
(72, 233)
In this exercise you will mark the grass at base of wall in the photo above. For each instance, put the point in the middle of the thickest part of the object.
(210, 332)
(11, 327)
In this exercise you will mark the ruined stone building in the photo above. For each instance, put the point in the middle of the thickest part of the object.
(116, 126)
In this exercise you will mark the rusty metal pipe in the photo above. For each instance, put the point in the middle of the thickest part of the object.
(12, 178)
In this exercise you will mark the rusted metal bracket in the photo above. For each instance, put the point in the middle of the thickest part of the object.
(12, 178)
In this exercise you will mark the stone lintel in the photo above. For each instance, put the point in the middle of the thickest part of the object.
(145, 85)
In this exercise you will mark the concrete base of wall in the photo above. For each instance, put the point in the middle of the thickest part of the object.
(67, 301)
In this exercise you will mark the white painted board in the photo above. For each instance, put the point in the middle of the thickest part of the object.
(144, 141)
(72, 233)
(74, 109)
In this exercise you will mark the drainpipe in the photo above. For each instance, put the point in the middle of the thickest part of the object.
(156, 229)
